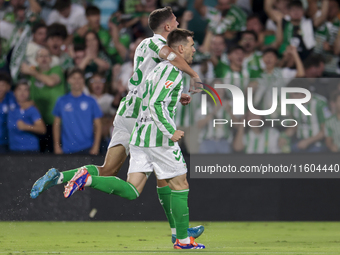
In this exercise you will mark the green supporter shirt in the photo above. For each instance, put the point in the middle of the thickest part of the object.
(239, 79)
(310, 125)
(105, 40)
(327, 32)
(332, 129)
(234, 20)
(254, 64)
(44, 96)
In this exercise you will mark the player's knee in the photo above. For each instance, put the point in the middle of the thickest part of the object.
(107, 171)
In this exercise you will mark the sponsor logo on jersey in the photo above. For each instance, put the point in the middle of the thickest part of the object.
(168, 84)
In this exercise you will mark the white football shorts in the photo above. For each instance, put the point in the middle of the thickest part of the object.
(122, 130)
(166, 162)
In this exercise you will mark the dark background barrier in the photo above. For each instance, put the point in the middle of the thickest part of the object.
(209, 199)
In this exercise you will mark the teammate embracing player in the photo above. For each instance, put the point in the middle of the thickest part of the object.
(153, 143)
(148, 54)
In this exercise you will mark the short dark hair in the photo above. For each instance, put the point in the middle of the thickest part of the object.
(79, 47)
(251, 33)
(37, 26)
(158, 17)
(335, 96)
(57, 30)
(75, 70)
(234, 48)
(61, 5)
(5, 77)
(295, 3)
(21, 82)
(20, 8)
(92, 10)
(178, 35)
(313, 60)
(270, 50)
(255, 16)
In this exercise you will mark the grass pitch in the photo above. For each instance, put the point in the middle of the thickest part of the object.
(73, 238)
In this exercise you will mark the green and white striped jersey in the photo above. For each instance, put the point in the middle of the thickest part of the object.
(264, 142)
(327, 32)
(155, 124)
(219, 132)
(234, 20)
(309, 126)
(239, 79)
(279, 78)
(332, 129)
(145, 60)
(254, 63)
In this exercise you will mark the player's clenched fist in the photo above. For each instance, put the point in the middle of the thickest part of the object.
(177, 136)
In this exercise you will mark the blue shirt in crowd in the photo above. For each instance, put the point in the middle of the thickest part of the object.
(22, 140)
(77, 115)
(107, 7)
(6, 104)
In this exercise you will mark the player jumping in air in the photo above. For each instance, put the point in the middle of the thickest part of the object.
(149, 52)
(153, 143)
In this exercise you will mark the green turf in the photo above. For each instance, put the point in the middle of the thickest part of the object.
(154, 238)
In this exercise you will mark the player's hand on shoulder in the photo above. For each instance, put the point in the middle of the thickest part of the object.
(177, 136)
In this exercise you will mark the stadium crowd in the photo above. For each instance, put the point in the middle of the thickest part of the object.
(63, 94)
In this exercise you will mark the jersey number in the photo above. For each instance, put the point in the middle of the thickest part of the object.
(139, 72)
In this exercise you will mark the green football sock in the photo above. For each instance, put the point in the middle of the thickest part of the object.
(164, 195)
(180, 212)
(93, 171)
(114, 185)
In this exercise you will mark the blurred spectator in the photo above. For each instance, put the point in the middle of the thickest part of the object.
(253, 140)
(234, 73)
(7, 101)
(253, 59)
(11, 12)
(325, 36)
(10, 33)
(98, 91)
(216, 49)
(107, 7)
(46, 86)
(46, 8)
(298, 31)
(77, 119)
(3, 9)
(254, 24)
(226, 18)
(39, 31)
(314, 67)
(56, 36)
(273, 76)
(145, 8)
(96, 59)
(93, 24)
(332, 126)
(309, 131)
(216, 139)
(24, 122)
(121, 43)
(68, 14)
